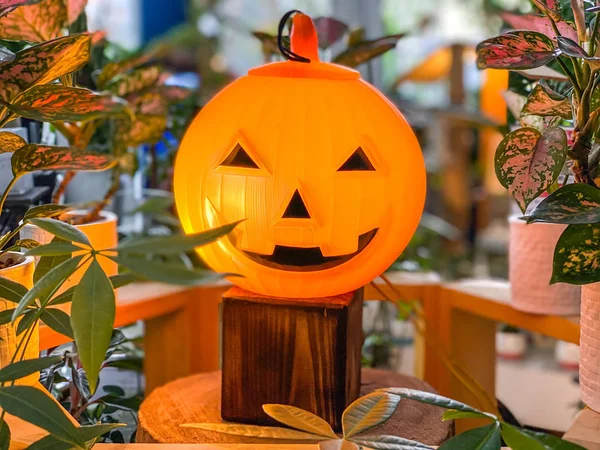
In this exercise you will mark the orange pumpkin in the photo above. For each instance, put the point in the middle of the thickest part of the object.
(325, 171)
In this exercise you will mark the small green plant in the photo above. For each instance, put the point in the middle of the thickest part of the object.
(376, 408)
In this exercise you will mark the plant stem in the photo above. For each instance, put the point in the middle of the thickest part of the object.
(6, 191)
(69, 175)
(571, 76)
(577, 6)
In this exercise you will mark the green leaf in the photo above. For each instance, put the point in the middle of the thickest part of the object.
(117, 281)
(164, 245)
(11, 290)
(36, 407)
(518, 440)
(483, 438)
(527, 162)
(93, 431)
(154, 205)
(577, 255)
(4, 435)
(63, 230)
(367, 50)
(46, 263)
(552, 442)
(575, 204)
(58, 320)
(34, 157)
(26, 321)
(543, 101)
(43, 63)
(254, 431)
(48, 283)
(6, 316)
(385, 442)
(134, 363)
(88, 433)
(92, 319)
(26, 244)
(453, 414)
(166, 272)
(55, 102)
(368, 411)
(53, 249)
(432, 399)
(300, 419)
(9, 142)
(50, 443)
(27, 367)
(516, 50)
(50, 210)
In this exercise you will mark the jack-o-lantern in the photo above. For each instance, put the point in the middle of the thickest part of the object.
(323, 169)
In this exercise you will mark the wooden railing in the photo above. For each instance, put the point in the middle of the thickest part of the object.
(182, 335)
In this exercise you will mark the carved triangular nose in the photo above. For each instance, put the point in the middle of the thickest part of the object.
(296, 208)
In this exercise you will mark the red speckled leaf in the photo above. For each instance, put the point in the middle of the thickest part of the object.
(367, 50)
(34, 157)
(577, 255)
(329, 30)
(577, 203)
(528, 162)
(9, 142)
(134, 81)
(542, 24)
(53, 102)
(143, 130)
(35, 23)
(74, 9)
(551, 8)
(111, 70)
(150, 103)
(543, 101)
(516, 50)
(175, 94)
(43, 63)
(7, 6)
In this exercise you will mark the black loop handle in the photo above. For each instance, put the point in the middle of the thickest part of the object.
(286, 52)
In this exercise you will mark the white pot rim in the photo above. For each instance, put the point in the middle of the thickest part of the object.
(24, 261)
(105, 217)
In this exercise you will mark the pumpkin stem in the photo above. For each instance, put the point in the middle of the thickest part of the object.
(303, 37)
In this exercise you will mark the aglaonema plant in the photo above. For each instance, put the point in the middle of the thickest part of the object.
(530, 159)
(373, 410)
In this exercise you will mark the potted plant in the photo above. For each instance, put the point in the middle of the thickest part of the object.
(511, 343)
(529, 160)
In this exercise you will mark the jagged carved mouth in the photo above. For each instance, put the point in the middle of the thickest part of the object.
(307, 259)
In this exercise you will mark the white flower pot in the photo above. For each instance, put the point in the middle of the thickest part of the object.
(531, 251)
(510, 345)
(589, 364)
(21, 273)
(102, 235)
(567, 355)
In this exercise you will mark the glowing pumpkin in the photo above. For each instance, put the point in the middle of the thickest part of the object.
(325, 171)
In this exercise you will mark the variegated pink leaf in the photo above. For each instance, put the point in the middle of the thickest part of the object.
(54, 102)
(143, 130)
(543, 101)
(365, 51)
(149, 103)
(43, 63)
(175, 94)
(576, 204)
(516, 50)
(551, 8)
(9, 142)
(7, 6)
(97, 36)
(74, 9)
(134, 81)
(538, 23)
(571, 48)
(528, 162)
(34, 157)
(37, 22)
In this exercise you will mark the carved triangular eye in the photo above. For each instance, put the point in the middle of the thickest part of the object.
(358, 161)
(239, 158)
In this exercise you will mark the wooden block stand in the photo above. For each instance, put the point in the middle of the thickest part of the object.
(301, 352)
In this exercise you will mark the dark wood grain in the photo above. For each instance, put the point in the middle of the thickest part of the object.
(197, 399)
(301, 352)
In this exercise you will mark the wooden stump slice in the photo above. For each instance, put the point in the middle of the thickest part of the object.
(197, 399)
